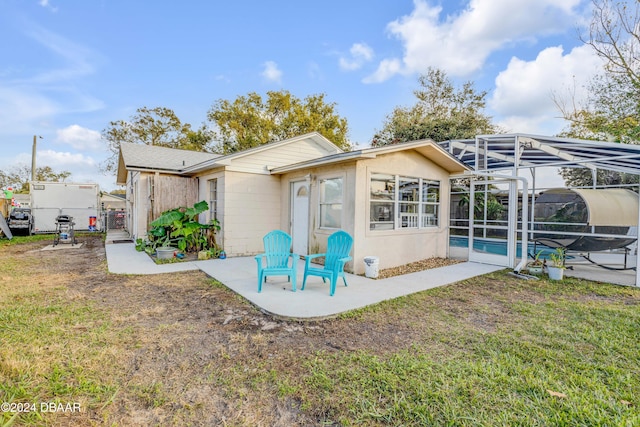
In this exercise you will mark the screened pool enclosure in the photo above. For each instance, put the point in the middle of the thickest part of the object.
(505, 201)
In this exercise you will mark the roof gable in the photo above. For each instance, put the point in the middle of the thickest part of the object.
(156, 158)
(265, 157)
(426, 148)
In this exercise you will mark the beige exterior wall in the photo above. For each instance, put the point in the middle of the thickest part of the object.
(280, 155)
(393, 247)
(204, 194)
(252, 204)
(251, 209)
(398, 247)
(318, 235)
(112, 203)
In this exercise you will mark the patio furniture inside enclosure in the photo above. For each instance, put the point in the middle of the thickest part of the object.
(586, 220)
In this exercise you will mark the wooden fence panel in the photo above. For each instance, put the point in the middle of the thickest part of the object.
(170, 192)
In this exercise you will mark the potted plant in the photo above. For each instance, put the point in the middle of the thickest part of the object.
(537, 265)
(556, 269)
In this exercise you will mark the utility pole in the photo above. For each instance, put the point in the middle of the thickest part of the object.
(33, 159)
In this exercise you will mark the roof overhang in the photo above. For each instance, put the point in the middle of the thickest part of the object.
(426, 148)
(121, 173)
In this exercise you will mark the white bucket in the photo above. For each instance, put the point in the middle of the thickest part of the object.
(555, 273)
(371, 266)
(165, 253)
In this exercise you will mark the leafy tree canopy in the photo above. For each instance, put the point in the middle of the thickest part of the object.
(612, 111)
(250, 121)
(19, 176)
(583, 177)
(441, 113)
(153, 126)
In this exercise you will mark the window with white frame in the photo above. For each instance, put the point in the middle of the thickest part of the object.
(430, 203)
(331, 203)
(382, 198)
(400, 202)
(213, 199)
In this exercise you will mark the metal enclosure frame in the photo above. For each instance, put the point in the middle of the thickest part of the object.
(506, 156)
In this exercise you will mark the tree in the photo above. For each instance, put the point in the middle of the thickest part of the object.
(5, 180)
(442, 113)
(583, 177)
(19, 176)
(612, 112)
(250, 121)
(153, 126)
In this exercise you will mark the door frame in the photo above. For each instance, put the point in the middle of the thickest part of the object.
(508, 259)
(299, 241)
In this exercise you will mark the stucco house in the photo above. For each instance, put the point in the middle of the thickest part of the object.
(393, 200)
(112, 202)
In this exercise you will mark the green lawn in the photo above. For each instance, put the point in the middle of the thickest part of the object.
(566, 354)
(491, 351)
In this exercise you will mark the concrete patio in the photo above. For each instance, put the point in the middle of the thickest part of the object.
(240, 275)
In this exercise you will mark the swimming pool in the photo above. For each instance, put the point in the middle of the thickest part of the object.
(499, 247)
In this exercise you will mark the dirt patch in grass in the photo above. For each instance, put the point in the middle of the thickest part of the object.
(192, 352)
(425, 264)
(185, 350)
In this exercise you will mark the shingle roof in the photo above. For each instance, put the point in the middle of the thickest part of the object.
(153, 157)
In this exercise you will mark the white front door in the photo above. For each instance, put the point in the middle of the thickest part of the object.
(300, 217)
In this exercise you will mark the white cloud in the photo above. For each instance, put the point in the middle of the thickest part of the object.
(83, 168)
(47, 4)
(314, 71)
(79, 60)
(271, 72)
(31, 101)
(22, 107)
(386, 69)
(360, 53)
(460, 44)
(80, 138)
(525, 91)
(65, 160)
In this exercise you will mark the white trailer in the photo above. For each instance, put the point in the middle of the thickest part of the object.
(51, 199)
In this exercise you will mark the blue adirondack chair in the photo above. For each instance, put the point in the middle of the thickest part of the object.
(277, 252)
(338, 248)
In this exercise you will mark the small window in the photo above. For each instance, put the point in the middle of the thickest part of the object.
(409, 202)
(331, 203)
(382, 194)
(213, 199)
(302, 192)
(430, 203)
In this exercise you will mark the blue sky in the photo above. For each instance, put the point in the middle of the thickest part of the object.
(69, 67)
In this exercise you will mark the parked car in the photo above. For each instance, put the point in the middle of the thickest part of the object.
(20, 220)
